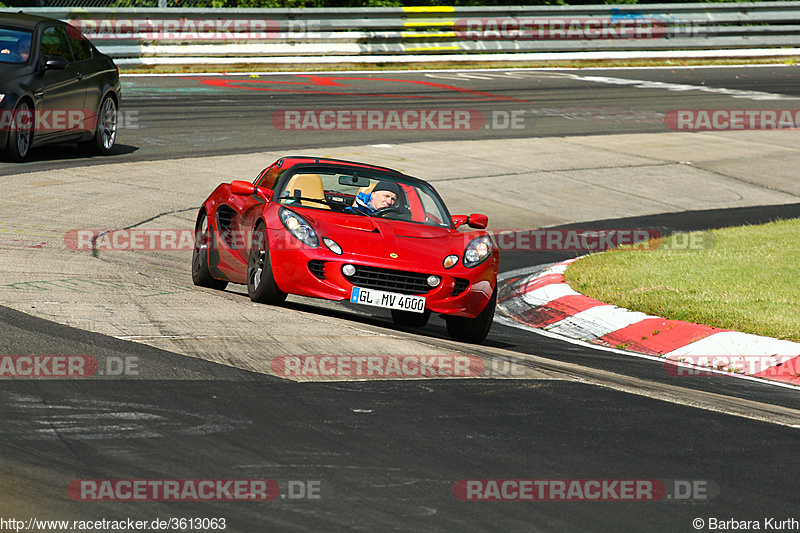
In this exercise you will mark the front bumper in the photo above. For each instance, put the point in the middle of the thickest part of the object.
(317, 272)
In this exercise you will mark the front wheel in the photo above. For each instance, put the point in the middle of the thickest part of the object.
(261, 286)
(105, 131)
(473, 330)
(203, 240)
(20, 133)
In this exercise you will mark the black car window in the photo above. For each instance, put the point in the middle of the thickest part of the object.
(15, 45)
(55, 42)
(80, 46)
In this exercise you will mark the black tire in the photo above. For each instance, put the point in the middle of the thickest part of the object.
(261, 284)
(203, 240)
(105, 131)
(20, 137)
(409, 319)
(472, 330)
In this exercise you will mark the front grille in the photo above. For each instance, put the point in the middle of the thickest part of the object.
(460, 286)
(317, 268)
(389, 280)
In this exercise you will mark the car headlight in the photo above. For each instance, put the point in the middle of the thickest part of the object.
(477, 251)
(2, 97)
(299, 227)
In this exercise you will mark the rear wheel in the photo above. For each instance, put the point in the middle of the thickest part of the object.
(261, 284)
(473, 330)
(203, 239)
(105, 131)
(409, 319)
(20, 133)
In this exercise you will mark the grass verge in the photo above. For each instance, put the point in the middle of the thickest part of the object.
(743, 278)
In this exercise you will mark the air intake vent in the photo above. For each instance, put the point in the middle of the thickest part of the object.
(317, 268)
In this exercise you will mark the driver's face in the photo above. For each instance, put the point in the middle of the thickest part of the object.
(382, 199)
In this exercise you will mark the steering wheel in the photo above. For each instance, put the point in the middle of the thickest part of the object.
(383, 211)
(400, 212)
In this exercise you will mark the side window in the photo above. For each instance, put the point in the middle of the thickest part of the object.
(80, 46)
(55, 42)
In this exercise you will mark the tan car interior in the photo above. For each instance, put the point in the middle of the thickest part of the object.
(310, 186)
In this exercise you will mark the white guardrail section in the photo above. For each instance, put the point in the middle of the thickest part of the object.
(150, 36)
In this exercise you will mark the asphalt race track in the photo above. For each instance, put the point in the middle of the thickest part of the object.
(233, 113)
(588, 148)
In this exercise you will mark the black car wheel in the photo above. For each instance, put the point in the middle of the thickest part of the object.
(472, 330)
(409, 319)
(261, 284)
(20, 133)
(203, 239)
(105, 131)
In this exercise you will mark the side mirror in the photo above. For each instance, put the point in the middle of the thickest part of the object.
(242, 188)
(473, 221)
(459, 220)
(477, 221)
(56, 63)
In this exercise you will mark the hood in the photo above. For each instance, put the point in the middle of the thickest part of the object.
(417, 245)
(9, 71)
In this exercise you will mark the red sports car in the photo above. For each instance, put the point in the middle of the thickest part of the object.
(349, 231)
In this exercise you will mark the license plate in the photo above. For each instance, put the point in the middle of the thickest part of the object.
(388, 300)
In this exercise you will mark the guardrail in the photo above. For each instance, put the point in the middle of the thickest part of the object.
(141, 36)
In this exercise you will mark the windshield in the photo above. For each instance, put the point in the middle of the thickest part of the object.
(15, 46)
(362, 193)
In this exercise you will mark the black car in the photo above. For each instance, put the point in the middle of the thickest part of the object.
(54, 87)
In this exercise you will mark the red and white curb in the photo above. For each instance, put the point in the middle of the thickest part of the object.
(544, 301)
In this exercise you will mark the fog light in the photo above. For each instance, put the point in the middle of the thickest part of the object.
(349, 270)
(434, 281)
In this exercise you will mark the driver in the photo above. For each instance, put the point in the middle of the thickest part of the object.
(383, 195)
(24, 47)
(18, 51)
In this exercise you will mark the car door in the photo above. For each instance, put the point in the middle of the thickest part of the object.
(245, 211)
(92, 81)
(63, 91)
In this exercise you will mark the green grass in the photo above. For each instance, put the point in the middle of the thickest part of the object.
(744, 278)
